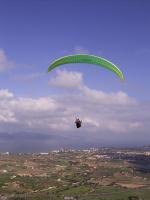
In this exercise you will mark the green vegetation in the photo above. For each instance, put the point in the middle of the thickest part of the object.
(80, 175)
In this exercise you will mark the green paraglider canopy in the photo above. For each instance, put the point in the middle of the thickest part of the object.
(89, 59)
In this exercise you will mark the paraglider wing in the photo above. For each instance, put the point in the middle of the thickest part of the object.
(89, 59)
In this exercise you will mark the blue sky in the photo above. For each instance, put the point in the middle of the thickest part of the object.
(34, 33)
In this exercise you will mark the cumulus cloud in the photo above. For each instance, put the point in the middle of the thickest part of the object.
(107, 117)
(67, 79)
(107, 98)
(71, 79)
(6, 114)
(119, 114)
(5, 63)
(99, 110)
(5, 94)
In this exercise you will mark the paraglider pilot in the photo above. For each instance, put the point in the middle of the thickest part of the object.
(78, 122)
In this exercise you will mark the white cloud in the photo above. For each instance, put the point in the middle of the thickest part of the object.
(36, 105)
(71, 79)
(5, 63)
(106, 98)
(27, 113)
(4, 93)
(97, 113)
(99, 110)
(67, 79)
(7, 116)
(115, 114)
